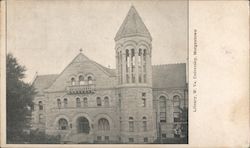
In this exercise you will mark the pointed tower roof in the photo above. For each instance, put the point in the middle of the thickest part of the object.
(132, 26)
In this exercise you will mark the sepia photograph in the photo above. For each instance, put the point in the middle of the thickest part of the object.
(97, 72)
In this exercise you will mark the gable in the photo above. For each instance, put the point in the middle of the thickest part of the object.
(81, 65)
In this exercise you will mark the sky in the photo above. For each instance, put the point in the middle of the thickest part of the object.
(45, 36)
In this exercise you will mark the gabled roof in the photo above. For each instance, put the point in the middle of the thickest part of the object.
(42, 82)
(132, 26)
(169, 75)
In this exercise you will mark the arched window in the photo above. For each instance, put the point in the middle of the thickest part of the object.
(99, 101)
(144, 123)
(163, 108)
(65, 102)
(103, 125)
(85, 102)
(78, 102)
(40, 104)
(176, 105)
(131, 124)
(63, 124)
(73, 81)
(59, 103)
(90, 80)
(81, 80)
(83, 125)
(106, 101)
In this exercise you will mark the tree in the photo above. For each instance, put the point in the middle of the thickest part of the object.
(19, 100)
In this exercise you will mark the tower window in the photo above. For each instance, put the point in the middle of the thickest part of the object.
(40, 104)
(40, 120)
(144, 122)
(143, 99)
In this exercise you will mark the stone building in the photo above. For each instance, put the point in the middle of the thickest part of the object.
(135, 103)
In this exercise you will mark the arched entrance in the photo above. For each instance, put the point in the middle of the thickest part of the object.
(83, 125)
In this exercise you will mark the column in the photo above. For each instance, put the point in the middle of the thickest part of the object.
(123, 72)
(130, 66)
(136, 66)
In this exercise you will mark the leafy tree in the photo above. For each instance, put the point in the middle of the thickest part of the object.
(19, 100)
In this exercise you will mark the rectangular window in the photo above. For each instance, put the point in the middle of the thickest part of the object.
(99, 138)
(146, 139)
(176, 117)
(131, 140)
(164, 136)
(162, 116)
(144, 126)
(106, 138)
(143, 102)
(143, 99)
(131, 126)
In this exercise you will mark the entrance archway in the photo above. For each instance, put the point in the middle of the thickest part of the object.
(83, 125)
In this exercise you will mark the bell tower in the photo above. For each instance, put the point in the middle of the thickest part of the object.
(134, 77)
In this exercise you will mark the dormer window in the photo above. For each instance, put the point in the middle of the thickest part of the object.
(73, 81)
(90, 80)
(81, 80)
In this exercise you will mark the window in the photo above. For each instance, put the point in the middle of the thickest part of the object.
(73, 81)
(63, 124)
(131, 140)
(127, 78)
(127, 60)
(164, 136)
(131, 124)
(40, 104)
(176, 104)
(106, 138)
(103, 125)
(144, 123)
(65, 102)
(163, 108)
(176, 116)
(78, 102)
(143, 99)
(146, 139)
(85, 102)
(99, 101)
(83, 125)
(99, 138)
(81, 80)
(90, 80)
(106, 101)
(59, 103)
(40, 120)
